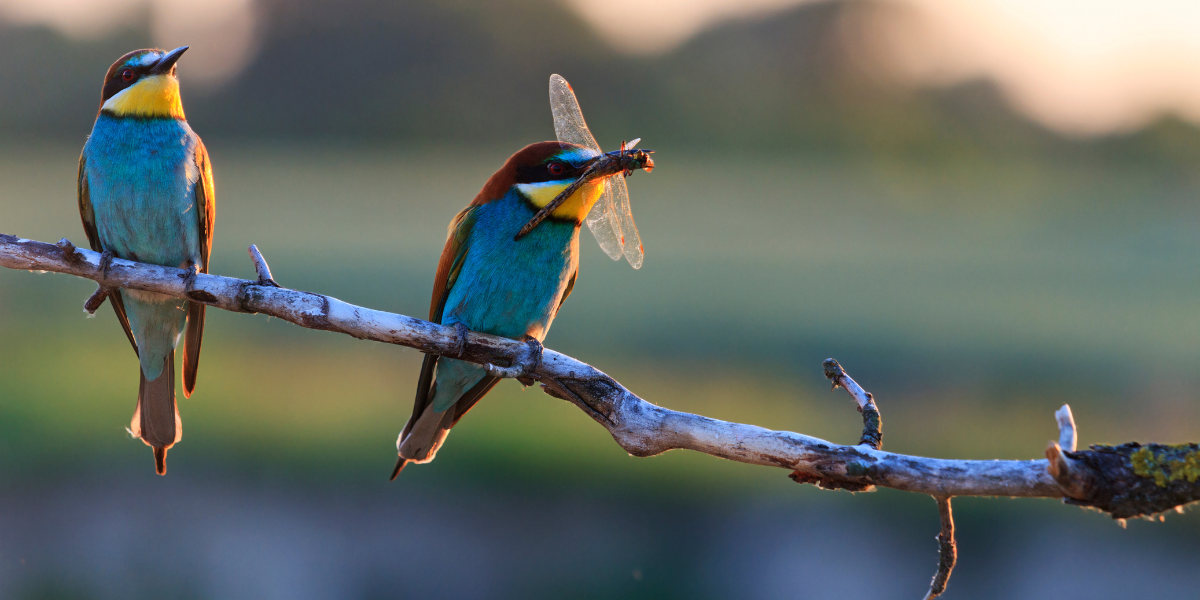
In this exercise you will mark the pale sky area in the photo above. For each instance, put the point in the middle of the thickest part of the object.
(1079, 66)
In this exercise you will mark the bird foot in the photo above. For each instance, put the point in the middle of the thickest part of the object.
(189, 276)
(106, 259)
(522, 365)
(460, 344)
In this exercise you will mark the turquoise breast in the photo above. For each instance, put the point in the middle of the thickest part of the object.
(506, 287)
(512, 287)
(141, 176)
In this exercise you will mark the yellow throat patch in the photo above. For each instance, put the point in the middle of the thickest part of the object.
(152, 96)
(574, 208)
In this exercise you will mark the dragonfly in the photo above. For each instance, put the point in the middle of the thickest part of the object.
(611, 218)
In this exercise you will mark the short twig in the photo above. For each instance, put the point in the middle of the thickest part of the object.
(68, 250)
(1062, 468)
(1066, 428)
(260, 267)
(872, 434)
(947, 550)
(97, 299)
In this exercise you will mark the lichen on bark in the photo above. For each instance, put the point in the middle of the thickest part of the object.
(1167, 464)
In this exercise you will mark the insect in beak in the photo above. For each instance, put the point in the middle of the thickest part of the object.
(619, 162)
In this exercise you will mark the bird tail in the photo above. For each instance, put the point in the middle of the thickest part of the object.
(156, 418)
(425, 436)
(425, 433)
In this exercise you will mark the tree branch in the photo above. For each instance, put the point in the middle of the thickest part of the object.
(1125, 481)
(947, 550)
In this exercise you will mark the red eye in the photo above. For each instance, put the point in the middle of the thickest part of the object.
(556, 168)
(127, 75)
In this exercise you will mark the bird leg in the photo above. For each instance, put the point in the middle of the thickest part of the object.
(102, 291)
(189, 285)
(522, 365)
(189, 277)
(460, 344)
(106, 259)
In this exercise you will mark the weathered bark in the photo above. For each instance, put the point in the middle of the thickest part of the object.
(641, 428)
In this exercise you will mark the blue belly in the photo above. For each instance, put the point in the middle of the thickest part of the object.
(512, 288)
(507, 288)
(141, 176)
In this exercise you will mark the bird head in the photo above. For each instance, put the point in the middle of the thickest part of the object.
(143, 84)
(540, 172)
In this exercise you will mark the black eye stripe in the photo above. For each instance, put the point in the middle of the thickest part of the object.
(541, 172)
(114, 86)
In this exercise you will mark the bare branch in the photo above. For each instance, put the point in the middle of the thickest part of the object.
(260, 267)
(96, 299)
(644, 429)
(947, 550)
(872, 434)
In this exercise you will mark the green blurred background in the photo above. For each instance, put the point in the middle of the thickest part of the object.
(972, 268)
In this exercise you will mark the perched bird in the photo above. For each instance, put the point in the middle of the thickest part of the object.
(146, 194)
(491, 280)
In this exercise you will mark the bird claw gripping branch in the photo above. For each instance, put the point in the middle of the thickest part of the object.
(460, 344)
(522, 365)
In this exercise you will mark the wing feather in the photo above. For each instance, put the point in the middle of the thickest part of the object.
(88, 215)
(449, 267)
(567, 292)
(206, 212)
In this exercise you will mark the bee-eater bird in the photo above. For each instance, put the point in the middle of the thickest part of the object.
(146, 194)
(491, 280)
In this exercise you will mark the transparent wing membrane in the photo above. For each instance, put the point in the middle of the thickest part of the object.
(603, 222)
(631, 242)
(569, 125)
(611, 219)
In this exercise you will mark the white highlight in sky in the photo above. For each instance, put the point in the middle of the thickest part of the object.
(220, 32)
(1078, 66)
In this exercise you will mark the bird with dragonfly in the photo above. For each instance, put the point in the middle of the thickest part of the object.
(512, 257)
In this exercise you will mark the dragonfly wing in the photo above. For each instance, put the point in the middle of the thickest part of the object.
(603, 222)
(569, 125)
(611, 219)
(631, 242)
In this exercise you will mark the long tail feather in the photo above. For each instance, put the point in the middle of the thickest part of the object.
(191, 346)
(160, 461)
(426, 433)
(400, 463)
(156, 418)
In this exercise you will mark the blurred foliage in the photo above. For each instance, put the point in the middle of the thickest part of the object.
(467, 72)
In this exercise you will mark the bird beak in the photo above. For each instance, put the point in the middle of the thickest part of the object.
(164, 64)
(623, 161)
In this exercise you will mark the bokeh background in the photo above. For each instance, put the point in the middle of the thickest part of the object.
(983, 209)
